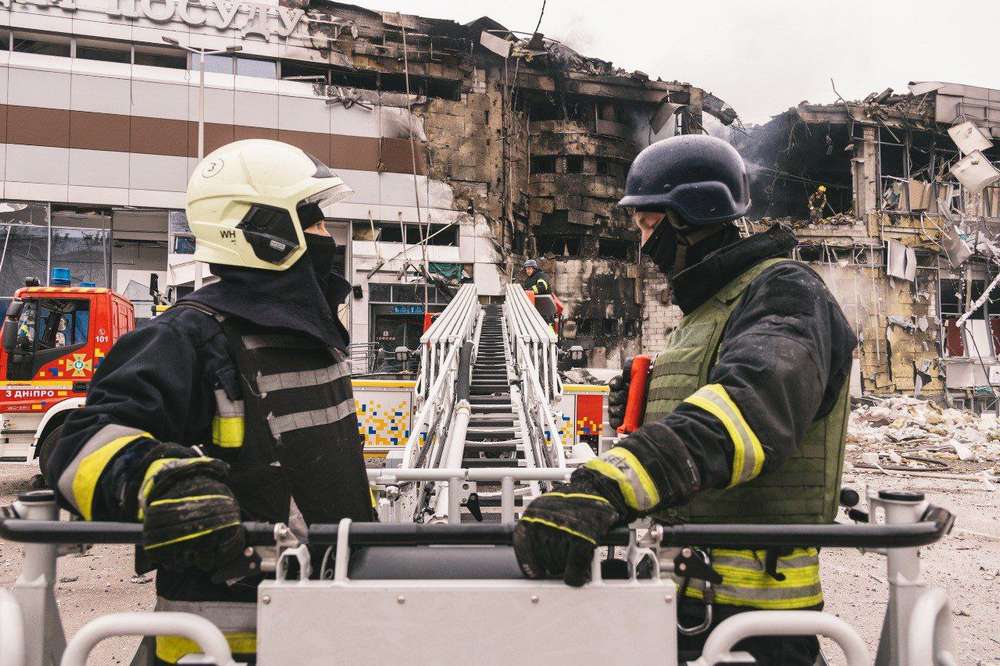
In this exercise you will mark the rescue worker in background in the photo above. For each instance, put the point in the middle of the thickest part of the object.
(817, 203)
(747, 404)
(234, 404)
(537, 281)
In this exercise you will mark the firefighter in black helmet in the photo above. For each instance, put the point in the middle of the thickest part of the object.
(747, 405)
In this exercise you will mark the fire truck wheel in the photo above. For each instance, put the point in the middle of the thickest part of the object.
(46, 448)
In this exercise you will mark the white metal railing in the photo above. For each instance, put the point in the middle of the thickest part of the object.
(533, 346)
(451, 328)
(450, 482)
(436, 384)
(525, 324)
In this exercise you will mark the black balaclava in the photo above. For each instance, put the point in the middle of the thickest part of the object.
(321, 251)
(673, 250)
(302, 298)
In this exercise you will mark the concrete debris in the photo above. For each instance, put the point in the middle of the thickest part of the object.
(908, 434)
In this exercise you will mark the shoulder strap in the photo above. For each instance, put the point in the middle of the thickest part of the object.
(200, 307)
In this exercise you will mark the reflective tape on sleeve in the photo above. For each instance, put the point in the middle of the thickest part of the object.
(748, 454)
(78, 482)
(636, 485)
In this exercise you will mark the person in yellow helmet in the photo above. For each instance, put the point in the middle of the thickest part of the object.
(234, 404)
(817, 203)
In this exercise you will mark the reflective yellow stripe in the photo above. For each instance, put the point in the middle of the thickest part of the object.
(371, 495)
(619, 464)
(748, 454)
(90, 470)
(557, 526)
(193, 498)
(155, 468)
(188, 537)
(746, 583)
(596, 498)
(172, 649)
(227, 431)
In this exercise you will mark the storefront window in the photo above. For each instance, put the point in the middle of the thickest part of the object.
(23, 253)
(219, 64)
(263, 69)
(41, 44)
(84, 252)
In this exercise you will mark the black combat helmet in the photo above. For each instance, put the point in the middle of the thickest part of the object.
(701, 178)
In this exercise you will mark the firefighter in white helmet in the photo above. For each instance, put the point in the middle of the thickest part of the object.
(235, 404)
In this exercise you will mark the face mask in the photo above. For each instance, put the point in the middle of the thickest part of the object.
(661, 247)
(321, 250)
(673, 249)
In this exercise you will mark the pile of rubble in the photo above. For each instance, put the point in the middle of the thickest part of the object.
(908, 434)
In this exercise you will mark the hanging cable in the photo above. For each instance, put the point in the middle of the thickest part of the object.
(540, 15)
(413, 155)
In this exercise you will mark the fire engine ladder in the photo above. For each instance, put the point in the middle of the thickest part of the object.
(488, 397)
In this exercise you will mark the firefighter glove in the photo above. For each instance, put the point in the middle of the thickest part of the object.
(190, 517)
(559, 531)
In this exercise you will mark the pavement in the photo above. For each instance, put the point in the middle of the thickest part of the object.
(966, 564)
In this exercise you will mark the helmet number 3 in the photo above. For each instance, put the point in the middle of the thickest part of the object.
(212, 167)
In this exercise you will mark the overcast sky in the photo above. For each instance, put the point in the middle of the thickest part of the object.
(762, 56)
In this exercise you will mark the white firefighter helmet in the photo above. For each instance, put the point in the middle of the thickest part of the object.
(244, 202)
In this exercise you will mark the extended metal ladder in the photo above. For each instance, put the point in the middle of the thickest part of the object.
(493, 436)
(488, 401)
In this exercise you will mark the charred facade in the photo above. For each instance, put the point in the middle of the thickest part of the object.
(906, 234)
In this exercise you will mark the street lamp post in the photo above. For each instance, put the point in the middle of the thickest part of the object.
(201, 53)
(201, 109)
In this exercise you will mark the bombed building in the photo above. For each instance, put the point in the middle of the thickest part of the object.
(469, 147)
(903, 229)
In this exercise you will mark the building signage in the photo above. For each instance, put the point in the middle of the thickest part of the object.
(408, 309)
(250, 18)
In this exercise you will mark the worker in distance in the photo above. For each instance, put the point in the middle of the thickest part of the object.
(235, 404)
(747, 405)
(536, 281)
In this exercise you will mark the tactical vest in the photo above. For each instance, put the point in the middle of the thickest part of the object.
(806, 487)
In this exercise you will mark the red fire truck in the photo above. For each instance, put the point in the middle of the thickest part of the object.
(53, 340)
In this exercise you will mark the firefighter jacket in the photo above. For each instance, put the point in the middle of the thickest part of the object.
(274, 404)
(746, 414)
(537, 283)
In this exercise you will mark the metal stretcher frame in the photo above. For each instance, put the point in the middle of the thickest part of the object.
(916, 631)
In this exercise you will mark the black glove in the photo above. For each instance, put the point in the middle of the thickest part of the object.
(559, 531)
(618, 396)
(190, 517)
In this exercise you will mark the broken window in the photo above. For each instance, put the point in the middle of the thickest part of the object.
(614, 248)
(602, 167)
(564, 246)
(979, 336)
(390, 232)
(295, 70)
(543, 164)
(574, 164)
